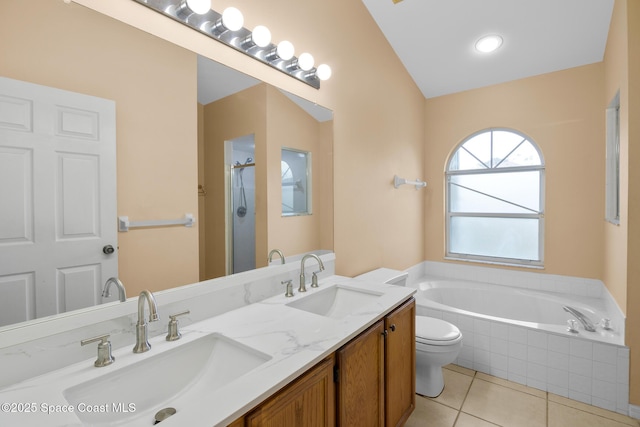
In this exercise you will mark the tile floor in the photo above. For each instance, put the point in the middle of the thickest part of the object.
(474, 399)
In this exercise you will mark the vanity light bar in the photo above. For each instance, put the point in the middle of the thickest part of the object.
(210, 25)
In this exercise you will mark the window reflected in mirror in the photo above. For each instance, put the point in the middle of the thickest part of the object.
(296, 182)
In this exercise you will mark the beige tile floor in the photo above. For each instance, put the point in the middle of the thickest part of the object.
(474, 399)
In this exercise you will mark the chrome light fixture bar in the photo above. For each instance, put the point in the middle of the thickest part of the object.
(228, 28)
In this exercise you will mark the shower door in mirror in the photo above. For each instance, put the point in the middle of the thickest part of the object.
(242, 202)
(57, 200)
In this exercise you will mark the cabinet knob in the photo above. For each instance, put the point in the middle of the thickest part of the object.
(385, 333)
(393, 327)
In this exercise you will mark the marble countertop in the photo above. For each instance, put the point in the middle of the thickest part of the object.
(293, 340)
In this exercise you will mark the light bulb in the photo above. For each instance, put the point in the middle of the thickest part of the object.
(199, 6)
(285, 50)
(232, 19)
(261, 36)
(488, 43)
(305, 61)
(323, 72)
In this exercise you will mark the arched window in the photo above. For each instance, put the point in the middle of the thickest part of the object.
(495, 199)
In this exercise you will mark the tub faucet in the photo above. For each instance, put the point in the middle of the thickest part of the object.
(121, 291)
(302, 287)
(279, 253)
(588, 325)
(142, 341)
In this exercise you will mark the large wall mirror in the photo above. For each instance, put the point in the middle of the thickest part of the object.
(175, 113)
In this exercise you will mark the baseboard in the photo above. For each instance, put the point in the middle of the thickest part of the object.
(634, 411)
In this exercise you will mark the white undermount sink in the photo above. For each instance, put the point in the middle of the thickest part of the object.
(168, 379)
(335, 301)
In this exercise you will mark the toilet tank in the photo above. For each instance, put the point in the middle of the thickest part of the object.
(385, 275)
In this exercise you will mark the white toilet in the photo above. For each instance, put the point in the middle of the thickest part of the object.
(437, 342)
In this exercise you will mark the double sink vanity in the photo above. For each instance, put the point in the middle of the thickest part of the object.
(326, 355)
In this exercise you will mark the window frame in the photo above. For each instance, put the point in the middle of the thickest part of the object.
(538, 263)
(612, 159)
(306, 176)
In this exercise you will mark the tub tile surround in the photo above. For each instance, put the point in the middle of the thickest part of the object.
(596, 373)
(44, 345)
(294, 340)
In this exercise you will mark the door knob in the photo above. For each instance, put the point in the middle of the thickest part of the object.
(108, 249)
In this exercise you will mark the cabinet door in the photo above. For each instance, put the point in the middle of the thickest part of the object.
(308, 402)
(400, 364)
(237, 423)
(361, 379)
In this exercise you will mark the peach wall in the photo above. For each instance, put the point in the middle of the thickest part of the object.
(633, 269)
(72, 48)
(288, 126)
(325, 205)
(616, 79)
(622, 243)
(237, 115)
(562, 113)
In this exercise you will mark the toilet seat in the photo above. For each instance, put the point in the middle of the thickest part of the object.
(432, 331)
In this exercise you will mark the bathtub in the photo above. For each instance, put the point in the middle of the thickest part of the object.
(531, 309)
(521, 335)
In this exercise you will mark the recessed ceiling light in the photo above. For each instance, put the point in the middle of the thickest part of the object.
(488, 43)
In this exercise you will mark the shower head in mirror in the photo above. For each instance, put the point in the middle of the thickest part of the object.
(249, 160)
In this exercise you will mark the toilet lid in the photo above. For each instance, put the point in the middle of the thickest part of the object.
(430, 329)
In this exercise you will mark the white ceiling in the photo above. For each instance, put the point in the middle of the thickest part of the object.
(435, 39)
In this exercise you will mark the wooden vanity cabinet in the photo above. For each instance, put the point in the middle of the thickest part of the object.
(400, 364)
(376, 372)
(370, 381)
(360, 375)
(309, 401)
(237, 423)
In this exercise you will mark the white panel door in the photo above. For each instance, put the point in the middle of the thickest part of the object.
(57, 200)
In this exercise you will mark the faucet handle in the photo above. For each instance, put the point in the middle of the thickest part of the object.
(105, 357)
(314, 278)
(173, 333)
(289, 283)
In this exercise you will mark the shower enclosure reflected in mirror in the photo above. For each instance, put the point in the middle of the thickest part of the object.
(296, 182)
(240, 199)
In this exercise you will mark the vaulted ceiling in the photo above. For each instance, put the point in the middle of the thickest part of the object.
(435, 39)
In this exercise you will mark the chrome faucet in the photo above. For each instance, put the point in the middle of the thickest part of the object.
(121, 291)
(142, 341)
(276, 251)
(302, 287)
(588, 325)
